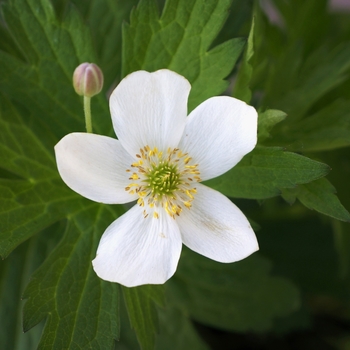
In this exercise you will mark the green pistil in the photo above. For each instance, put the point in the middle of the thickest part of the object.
(163, 179)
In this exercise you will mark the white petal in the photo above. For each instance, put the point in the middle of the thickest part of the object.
(150, 109)
(218, 133)
(216, 228)
(95, 167)
(135, 250)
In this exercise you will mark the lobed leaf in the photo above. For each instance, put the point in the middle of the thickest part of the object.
(265, 171)
(33, 196)
(180, 40)
(42, 81)
(106, 18)
(319, 195)
(80, 309)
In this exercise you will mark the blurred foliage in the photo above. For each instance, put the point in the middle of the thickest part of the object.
(294, 68)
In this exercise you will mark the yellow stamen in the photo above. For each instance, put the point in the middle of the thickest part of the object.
(189, 194)
(163, 180)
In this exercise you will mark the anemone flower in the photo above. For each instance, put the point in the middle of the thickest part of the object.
(159, 160)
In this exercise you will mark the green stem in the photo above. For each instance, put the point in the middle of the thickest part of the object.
(87, 111)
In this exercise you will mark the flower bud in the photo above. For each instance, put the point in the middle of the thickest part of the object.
(87, 79)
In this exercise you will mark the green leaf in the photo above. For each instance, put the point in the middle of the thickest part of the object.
(241, 89)
(7, 44)
(143, 313)
(265, 171)
(342, 244)
(15, 272)
(22, 153)
(177, 332)
(238, 21)
(35, 197)
(319, 195)
(106, 18)
(26, 208)
(267, 120)
(81, 309)
(297, 65)
(322, 71)
(312, 31)
(325, 130)
(42, 83)
(35, 200)
(304, 251)
(242, 296)
(180, 40)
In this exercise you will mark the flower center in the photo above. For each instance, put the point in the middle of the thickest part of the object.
(163, 181)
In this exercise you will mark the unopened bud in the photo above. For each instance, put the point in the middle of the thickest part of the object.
(88, 79)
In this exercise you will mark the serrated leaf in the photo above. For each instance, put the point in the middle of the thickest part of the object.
(265, 171)
(106, 18)
(81, 309)
(320, 195)
(180, 40)
(243, 296)
(143, 313)
(267, 120)
(241, 89)
(238, 20)
(43, 82)
(37, 197)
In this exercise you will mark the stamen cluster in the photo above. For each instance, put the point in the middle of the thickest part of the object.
(163, 180)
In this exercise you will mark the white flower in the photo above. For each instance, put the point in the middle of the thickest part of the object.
(159, 160)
